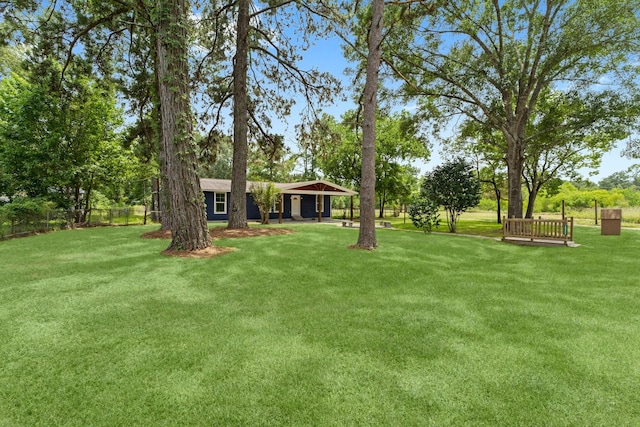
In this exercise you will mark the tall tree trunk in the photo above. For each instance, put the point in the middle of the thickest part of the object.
(533, 193)
(535, 181)
(499, 199)
(515, 165)
(164, 202)
(87, 199)
(77, 204)
(186, 201)
(162, 184)
(534, 189)
(238, 205)
(367, 235)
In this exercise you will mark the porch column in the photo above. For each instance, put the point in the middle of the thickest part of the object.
(280, 208)
(319, 200)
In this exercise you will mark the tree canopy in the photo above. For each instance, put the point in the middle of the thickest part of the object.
(399, 142)
(629, 178)
(567, 132)
(492, 61)
(60, 141)
(537, 90)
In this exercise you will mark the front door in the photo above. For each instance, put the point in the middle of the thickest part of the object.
(295, 205)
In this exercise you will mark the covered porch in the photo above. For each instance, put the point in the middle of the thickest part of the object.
(305, 198)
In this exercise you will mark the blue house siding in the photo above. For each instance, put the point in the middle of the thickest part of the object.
(209, 201)
(252, 209)
(307, 207)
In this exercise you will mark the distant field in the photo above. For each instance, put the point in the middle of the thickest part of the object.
(630, 216)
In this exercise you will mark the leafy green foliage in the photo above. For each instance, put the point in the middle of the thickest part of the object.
(60, 147)
(271, 160)
(567, 132)
(215, 155)
(424, 214)
(454, 186)
(398, 143)
(25, 210)
(578, 199)
(492, 62)
(340, 155)
(317, 142)
(629, 178)
(264, 196)
(11, 57)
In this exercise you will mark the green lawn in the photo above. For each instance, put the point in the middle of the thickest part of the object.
(98, 329)
(466, 225)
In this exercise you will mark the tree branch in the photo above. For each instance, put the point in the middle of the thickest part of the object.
(85, 31)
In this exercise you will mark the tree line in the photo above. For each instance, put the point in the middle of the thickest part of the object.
(530, 90)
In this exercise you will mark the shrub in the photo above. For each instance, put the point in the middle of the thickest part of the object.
(454, 186)
(424, 215)
(264, 196)
(26, 211)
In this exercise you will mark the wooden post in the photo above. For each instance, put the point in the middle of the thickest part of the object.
(504, 227)
(532, 226)
(280, 208)
(351, 215)
(319, 204)
(571, 229)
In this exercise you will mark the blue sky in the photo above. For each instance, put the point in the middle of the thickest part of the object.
(326, 55)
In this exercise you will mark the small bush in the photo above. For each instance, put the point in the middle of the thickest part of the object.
(25, 211)
(264, 196)
(454, 186)
(424, 215)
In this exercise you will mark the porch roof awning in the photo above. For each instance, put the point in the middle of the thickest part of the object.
(308, 187)
(315, 187)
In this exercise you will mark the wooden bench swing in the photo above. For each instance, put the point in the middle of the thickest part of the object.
(532, 231)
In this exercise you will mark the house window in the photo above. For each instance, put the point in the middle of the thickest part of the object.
(275, 208)
(220, 203)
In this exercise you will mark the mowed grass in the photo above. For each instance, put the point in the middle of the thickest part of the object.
(466, 225)
(97, 328)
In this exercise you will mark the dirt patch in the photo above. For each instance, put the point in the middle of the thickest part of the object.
(224, 233)
(209, 252)
(158, 234)
(216, 233)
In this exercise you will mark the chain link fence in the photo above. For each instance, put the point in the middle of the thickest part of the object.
(20, 225)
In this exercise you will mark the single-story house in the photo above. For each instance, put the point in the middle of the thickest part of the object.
(299, 200)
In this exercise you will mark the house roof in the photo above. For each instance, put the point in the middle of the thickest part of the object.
(308, 187)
